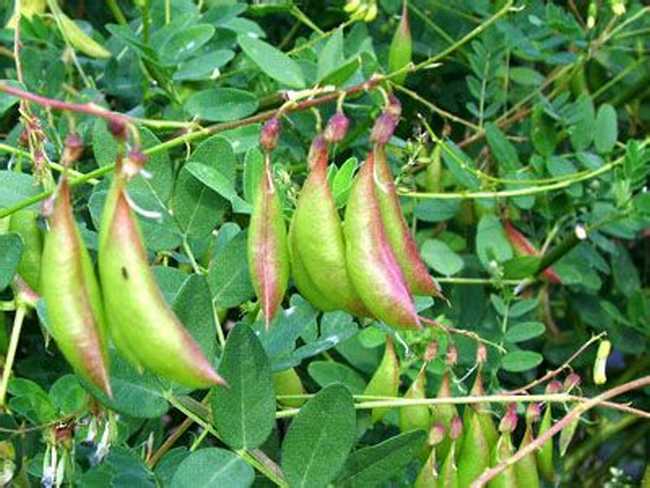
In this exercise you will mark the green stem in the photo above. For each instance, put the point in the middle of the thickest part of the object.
(262, 467)
(300, 16)
(9, 306)
(117, 12)
(21, 310)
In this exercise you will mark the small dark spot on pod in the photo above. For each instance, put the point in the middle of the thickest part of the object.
(125, 273)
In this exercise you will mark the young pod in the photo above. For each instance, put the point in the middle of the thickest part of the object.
(398, 234)
(385, 381)
(288, 382)
(143, 326)
(268, 251)
(428, 475)
(449, 473)
(75, 314)
(481, 410)
(317, 240)
(504, 450)
(600, 365)
(443, 414)
(523, 247)
(401, 47)
(526, 468)
(475, 451)
(371, 262)
(25, 224)
(545, 461)
(416, 416)
(81, 41)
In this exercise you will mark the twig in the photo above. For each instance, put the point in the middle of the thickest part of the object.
(169, 442)
(21, 310)
(566, 365)
(466, 333)
(574, 414)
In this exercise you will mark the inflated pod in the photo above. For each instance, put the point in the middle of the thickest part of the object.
(545, 455)
(416, 416)
(25, 224)
(433, 171)
(72, 296)
(385, 380)
(481, 410)
(268, 250)
(288, 382)
(372, 265)
(303, 282)
(401, 47)
(143, 326)
(443, 414)
(317, 238)
(504, 450)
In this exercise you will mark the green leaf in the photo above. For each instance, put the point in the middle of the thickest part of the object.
(491, 241)
(204, 67)
(374, 465)
(216, 181)
(319, 438)
(342, 181)
(502, 149)
(212, 467)
(68, 395)
(272, 61)
(253, 168)
(331, 56)
(221, 104)
(197, 208)
(244, 413)
(438, 255)
(7, 101)
(526, 76)
(524, 331)
(521, 267)
(11, 248)
(328, 372)
(228, 276)
(185, 42)
(582, 133)
(520, 361)
(16, 187)
(606, 129)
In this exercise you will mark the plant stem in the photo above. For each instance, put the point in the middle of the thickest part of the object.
(117, 12)
(573, 415)
(169, 442)
(261, 465)
(21, 310)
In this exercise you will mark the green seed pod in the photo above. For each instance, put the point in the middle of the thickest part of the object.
(268, 251)
(317, 239)
(443, 414)
(502, 451)
(142, 325)
(385, 381)
(428, 475)
(372, 265)
(72, 296)
(417, 416)
(398, 234)
(288, 382)
(449, 473)
(25, 224)
(81, 41)
(545, 462)
(303, 281)
(401, 47)
(481, 410)
(600, 365)
(526, 467)
(433, 175)
(475, 452)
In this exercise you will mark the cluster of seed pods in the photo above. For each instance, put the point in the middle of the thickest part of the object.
(368, 264)
(125, 304)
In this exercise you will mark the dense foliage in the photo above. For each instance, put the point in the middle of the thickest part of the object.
(521, 162)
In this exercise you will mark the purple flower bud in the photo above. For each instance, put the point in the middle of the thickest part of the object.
(456, 428)
(432, 351)
(571, 382)
(117, 128)
(270, 134)
(481, 354)
(383, 129)
(337, 127)
(533, 412)
(508, 422)
(72, 149)
(133, 163)
(436, 434)
(394, 107)
(553, 387)
(452, 355)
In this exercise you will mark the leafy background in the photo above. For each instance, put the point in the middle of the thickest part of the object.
(529, 114)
